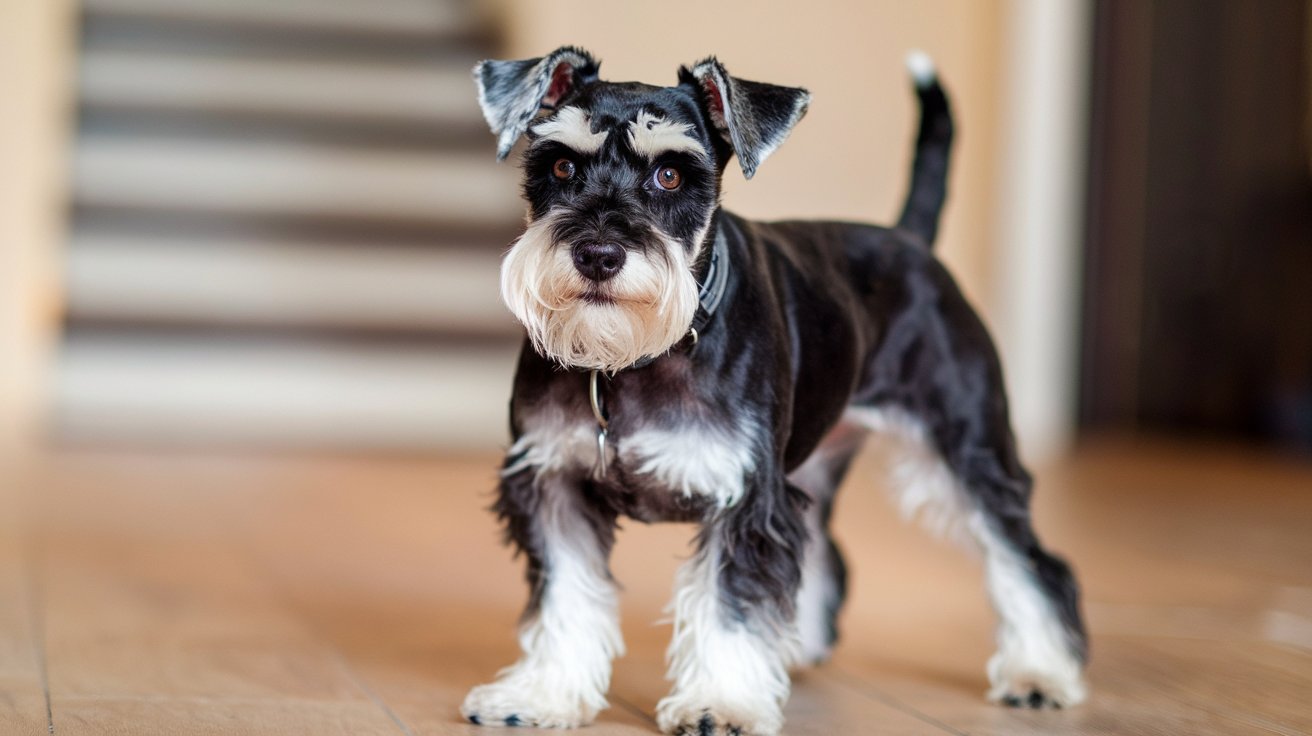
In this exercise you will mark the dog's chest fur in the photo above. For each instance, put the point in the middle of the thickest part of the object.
(672, 451)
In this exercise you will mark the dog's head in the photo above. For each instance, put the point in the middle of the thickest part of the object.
(622, 182)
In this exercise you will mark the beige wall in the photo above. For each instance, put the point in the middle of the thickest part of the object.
(36, 43)
(848, 159)
(1017, 72)
(849, 156)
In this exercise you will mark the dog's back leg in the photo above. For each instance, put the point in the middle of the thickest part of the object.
(972, 488)
(934, 378)
(961, 472)
(824, 574)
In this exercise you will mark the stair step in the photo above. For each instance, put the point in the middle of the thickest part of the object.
(144, 278)
(286, 226)
(422, 93)
(390, 17)
(320, 394)
(266, 179)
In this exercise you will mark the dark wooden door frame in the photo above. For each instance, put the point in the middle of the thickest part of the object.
(1197, 310)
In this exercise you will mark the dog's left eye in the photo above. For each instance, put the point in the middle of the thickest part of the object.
(563, 169)
(668, 178)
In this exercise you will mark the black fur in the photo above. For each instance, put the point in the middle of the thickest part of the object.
(613, 193)
(929, 171)
(816, 317)
(519, 507)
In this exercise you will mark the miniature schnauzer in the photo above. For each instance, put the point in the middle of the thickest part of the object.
(685, 364)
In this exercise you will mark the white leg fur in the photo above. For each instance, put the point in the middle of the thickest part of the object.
(818, 591)
(721, 668)
(815, 594)
(1033, 651)
(562, 678)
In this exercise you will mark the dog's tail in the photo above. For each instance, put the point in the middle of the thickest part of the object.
(929, 173)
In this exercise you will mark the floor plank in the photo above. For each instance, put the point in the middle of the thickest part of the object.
(383, 583)
(819, 705)
(163, 621)
(1182, 641)
(22, 686)
(115, 716)
(213, 594)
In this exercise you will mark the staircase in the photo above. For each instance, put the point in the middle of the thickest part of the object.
(285, 229)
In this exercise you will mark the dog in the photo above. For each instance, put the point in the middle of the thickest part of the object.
(682, 363)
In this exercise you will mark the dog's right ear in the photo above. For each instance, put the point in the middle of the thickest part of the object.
(752, 117)
(512, 92)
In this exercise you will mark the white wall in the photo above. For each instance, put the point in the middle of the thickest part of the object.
(36, 42)
(1041, 190)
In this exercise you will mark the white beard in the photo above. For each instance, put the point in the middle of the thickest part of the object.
(650, 308)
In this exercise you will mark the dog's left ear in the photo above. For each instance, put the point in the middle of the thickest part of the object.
(753, 117)
(512, 92)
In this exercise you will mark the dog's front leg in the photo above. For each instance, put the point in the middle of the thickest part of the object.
(570, 630)
(735, 633)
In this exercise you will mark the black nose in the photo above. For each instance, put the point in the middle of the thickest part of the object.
(598, 261)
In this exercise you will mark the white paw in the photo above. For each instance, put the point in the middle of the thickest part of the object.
(517, 701)
(1015, 684)
(681, 715)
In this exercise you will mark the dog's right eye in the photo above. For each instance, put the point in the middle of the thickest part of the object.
(564, 169)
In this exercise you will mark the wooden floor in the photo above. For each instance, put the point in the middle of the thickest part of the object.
(260, 594)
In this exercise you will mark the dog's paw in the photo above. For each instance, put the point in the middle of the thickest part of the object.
(1038, 692)
(709, 724)
(515, 703)
(1036, 677)
(685, 719)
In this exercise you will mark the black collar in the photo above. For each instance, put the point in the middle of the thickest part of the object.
(708, 297)
(717, 278)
